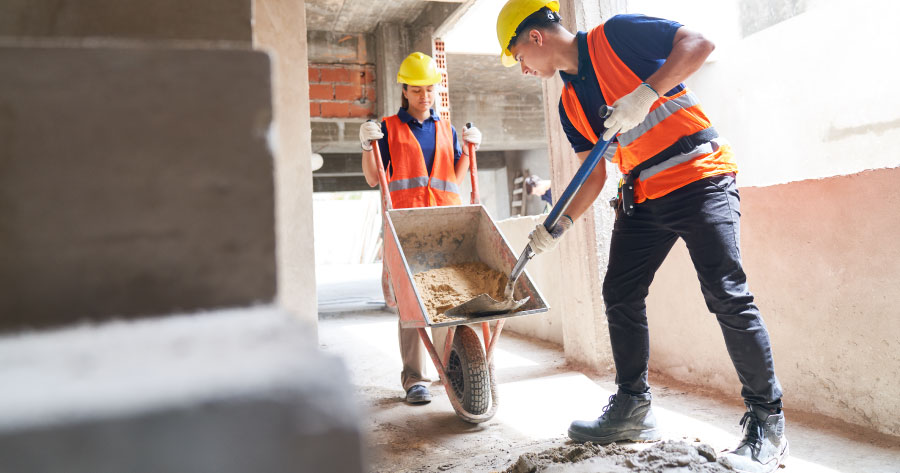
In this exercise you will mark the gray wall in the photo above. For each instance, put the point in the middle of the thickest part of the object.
(134, 181)
(160, 19)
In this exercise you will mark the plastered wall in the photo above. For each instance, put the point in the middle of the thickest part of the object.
(816, 134)
(822, 260)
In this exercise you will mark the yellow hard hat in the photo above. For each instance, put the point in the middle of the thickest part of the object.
(418, 69)
(511, 16)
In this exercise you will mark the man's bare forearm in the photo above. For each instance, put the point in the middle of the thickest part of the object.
(689, 51)
(588, 193)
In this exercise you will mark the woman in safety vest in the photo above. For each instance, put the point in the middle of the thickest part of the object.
(424, 165)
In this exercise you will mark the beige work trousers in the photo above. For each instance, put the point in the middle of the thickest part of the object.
(412, 351)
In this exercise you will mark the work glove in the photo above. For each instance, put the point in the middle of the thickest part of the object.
(629, 111)
(541, 240)
(471, 135)
(369, 131)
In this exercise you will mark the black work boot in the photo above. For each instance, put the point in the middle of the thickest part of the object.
(764, 445)
(627, 417)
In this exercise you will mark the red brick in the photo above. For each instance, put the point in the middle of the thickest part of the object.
(347, 92)
(321, 92)
(335, 109)
(361, 111)
(370, 94)
(357, 76)
(313, 74)
(335, 74)
(370, 75)
(314, 109)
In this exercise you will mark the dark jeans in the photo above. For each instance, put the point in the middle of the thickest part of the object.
(706, 214)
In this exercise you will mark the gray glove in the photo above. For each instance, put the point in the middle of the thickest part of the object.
(471, 135)
(541, 240)
(369, 131)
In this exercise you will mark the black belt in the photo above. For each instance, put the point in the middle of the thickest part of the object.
(684, 145)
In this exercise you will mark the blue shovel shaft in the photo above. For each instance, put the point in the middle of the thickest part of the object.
(586, 169)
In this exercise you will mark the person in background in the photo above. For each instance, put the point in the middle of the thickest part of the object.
(534, 185)
(425, 163)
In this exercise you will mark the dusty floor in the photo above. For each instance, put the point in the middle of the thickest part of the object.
(539, 396)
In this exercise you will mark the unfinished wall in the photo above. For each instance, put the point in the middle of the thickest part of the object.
(280, 28)
(825, 277)
(218, 20)
(133, 181)
(820, 251)
(500, 101)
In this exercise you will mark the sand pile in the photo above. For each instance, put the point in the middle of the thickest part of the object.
(663, 457)
(444, 288)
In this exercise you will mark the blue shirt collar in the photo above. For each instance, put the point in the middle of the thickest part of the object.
(584, 60)
(405, 117)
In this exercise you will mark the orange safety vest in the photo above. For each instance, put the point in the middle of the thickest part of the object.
(670, 118)
(409, 184)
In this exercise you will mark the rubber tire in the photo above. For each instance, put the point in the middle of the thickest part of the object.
(467, 371)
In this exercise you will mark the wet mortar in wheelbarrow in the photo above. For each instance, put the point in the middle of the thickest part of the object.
(422, 239)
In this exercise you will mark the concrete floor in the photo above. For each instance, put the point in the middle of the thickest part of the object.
(539, 396)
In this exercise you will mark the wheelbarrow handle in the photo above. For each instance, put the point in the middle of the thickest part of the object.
(587, 167)
(473, 170)
(382, 178)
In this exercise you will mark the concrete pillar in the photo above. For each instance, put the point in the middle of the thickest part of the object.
(214, 20)
(585, 250)
(134, 181)
(392, 45)
(279, 27)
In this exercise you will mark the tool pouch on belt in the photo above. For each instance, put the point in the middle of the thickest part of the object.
(684, 145)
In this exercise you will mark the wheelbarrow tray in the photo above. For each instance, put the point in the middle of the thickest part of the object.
(426, 238)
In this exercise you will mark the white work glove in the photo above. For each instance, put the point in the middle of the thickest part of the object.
(369, 131)
(629, 111)
(471, 135)
(541, 240)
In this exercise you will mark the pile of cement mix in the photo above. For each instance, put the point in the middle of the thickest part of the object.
(663, 457)
(441, 289)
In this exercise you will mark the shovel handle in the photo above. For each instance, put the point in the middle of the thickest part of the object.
(587, 167)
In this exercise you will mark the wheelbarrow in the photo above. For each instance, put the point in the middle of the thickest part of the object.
(419, 239)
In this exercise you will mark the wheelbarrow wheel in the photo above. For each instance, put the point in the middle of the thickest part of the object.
(467, 372)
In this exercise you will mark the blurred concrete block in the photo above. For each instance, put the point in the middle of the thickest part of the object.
(133, 181)
(134, 19)
(231, 391)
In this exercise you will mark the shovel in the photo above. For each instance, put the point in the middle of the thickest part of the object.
(484, 304)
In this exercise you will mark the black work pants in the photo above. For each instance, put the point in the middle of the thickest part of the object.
(706, 214)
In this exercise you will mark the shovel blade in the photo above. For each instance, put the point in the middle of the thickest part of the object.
(484, 305)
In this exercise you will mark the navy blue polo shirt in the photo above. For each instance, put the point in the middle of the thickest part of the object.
(424, 133)
(642, 42)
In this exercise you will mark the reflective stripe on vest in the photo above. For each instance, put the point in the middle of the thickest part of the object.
(401, 184)
(670, 118)
(410, 185)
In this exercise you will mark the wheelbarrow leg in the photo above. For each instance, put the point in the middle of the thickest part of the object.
(448, 345)
(486, 331)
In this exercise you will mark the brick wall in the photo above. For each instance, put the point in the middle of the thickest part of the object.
(341, 90)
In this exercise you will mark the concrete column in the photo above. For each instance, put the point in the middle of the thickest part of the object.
(133, 181)
(585, 250)
(392, 44)
(280, 28)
